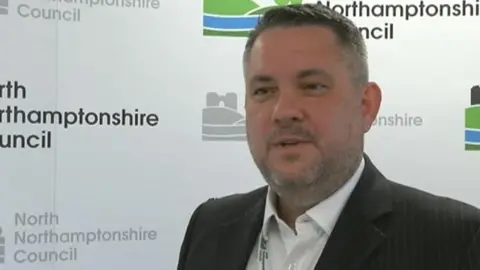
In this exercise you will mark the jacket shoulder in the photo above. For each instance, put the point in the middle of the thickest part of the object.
(230, 207)
(427, 207)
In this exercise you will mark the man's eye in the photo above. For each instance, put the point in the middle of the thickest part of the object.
(314, 87)
(261, 91)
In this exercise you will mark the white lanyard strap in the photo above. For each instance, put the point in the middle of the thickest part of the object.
(263, 252)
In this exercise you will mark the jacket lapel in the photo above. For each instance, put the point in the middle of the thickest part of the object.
(238, 237)
(356, 233)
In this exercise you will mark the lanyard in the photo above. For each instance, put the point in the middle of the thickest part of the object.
(263, 252)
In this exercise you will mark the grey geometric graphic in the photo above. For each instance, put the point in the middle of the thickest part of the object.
(3, 7)
(475, 99)
(220, 119)
(2, 247)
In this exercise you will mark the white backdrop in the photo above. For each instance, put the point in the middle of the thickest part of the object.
(109, 196)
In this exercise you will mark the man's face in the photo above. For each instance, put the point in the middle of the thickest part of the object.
(305, 118)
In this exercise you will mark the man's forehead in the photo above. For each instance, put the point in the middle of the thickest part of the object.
(291, 57)
(295, 38)
(288, 45)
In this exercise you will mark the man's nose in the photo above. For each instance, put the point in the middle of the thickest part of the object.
(288, 109)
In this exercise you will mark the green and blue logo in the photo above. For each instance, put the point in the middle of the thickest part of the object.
(472, 121)
(236, 18)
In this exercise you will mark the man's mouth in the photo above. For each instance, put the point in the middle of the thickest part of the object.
(288, 142)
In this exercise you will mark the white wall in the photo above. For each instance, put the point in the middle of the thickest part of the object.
(156, 60)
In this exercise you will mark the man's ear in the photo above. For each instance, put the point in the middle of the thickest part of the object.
(371, 101)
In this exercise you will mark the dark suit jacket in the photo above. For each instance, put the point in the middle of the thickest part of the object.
(384, 226)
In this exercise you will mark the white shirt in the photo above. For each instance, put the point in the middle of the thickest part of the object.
(301, 251)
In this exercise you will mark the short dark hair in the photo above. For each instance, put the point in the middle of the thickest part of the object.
(349, 36)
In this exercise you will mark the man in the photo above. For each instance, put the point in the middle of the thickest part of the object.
(309, 102)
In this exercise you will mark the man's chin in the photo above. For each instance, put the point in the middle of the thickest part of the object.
(290, 178)
(290, 172)
(288, 175)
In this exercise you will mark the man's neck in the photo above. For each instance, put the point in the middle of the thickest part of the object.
(289, 213)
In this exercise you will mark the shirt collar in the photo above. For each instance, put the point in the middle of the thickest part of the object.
(325, 213)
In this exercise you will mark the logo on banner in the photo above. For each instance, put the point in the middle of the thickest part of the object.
(236, 18)
(36, 240)
(68, 10)
(472, 121)
(2, 247)
(3, 9)
(221, 120)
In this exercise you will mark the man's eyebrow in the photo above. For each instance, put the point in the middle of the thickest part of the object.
(311, 72)
(262, 78)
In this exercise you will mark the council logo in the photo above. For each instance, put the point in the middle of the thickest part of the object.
(221, 120)
(68, 10)
(3, 7)
(472, 121)
(236, 18)
(2, 247)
